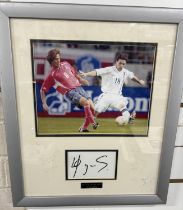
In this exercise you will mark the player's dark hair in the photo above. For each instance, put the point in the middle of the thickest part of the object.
(120, 55)
(52, 54)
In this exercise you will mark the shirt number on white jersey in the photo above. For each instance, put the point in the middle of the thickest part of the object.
(117, 81)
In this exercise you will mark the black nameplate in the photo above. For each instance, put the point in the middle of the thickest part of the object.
(91, 185)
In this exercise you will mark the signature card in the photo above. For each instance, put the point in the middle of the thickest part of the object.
(91, 164)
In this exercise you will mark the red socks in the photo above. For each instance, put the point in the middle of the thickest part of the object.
(89, 118)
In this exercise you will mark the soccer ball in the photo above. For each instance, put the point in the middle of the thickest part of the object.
(122, 120)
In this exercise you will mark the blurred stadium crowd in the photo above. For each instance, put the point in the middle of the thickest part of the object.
(87, 56)
(135, 52)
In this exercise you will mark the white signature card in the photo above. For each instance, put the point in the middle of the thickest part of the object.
(91, 164)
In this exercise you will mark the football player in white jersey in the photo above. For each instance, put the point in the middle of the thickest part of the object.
(113, 78)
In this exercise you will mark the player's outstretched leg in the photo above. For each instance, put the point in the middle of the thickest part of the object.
(83, 130)
(132, 117)
(92, 108)
(89, 118)
(95, 125)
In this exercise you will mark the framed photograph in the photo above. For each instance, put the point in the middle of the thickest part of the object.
(113, 109)
(91, 98)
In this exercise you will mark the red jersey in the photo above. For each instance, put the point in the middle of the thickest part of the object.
(63, 79)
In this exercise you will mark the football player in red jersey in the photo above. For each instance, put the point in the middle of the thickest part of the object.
(64, 78)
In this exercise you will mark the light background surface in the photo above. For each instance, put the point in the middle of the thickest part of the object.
(175, 195)
(45, 156)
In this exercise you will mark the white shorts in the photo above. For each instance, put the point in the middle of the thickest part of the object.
(108, 100)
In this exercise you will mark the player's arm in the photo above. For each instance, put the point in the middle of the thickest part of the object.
(139, 81)
(96, 72)
(82, 80)
(88, 74)
(43, 99)
(47, 84)
(79, 77)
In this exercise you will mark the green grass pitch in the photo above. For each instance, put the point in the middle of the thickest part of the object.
(62, 126)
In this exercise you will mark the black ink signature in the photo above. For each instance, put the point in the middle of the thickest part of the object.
(75, 164)
(86, 167)
(100, 162)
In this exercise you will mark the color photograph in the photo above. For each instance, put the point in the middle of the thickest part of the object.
(92, 88)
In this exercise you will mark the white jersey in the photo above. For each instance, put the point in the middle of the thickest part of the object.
(113, 80)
